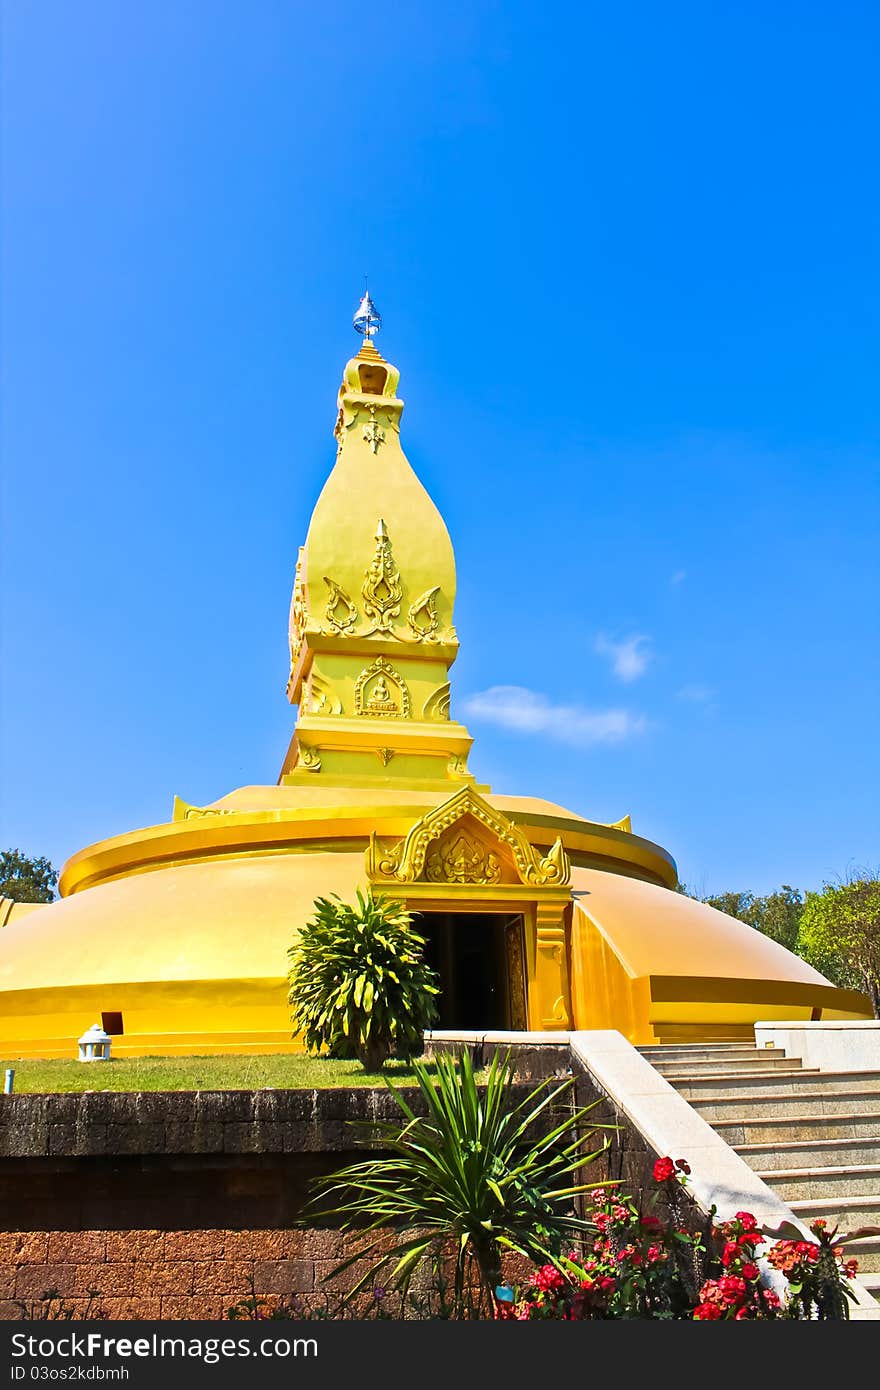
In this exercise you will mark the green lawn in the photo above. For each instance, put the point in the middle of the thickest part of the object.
(198, 1074)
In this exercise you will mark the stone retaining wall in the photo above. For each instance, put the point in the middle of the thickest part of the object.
(146, 1274)
(174, 1205)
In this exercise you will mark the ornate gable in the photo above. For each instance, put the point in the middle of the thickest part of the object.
(466, 841)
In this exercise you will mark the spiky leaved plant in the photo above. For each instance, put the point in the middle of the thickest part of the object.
(479, 1174)
(359, 983)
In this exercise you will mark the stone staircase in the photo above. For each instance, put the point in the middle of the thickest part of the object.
(812, 1136)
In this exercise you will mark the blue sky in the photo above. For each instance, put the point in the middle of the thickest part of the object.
(627, 261)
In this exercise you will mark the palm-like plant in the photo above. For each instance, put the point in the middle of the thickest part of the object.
(358, 982)
(478, 1175)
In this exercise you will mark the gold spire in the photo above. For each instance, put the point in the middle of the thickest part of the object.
(372, 638)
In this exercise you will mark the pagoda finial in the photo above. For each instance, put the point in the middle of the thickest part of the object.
(367, 320)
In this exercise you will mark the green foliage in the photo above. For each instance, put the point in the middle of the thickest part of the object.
(245, 1073)
(478, 1175)
(359, 985)
(840, 933)
(26, 880)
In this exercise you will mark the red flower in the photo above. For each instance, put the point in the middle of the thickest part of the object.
(707, 1312)
(746, 1220)
(749, 1270)
(750, 1238)
(664, 1169)
(547, 1277)
(732, 1288)
(651, 1223)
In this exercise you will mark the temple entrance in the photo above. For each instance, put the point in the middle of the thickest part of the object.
(480, 959)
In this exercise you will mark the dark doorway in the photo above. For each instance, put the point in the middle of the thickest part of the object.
(479, 958)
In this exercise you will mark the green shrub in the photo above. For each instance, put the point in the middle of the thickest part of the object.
(482, 1173)
(359, 985)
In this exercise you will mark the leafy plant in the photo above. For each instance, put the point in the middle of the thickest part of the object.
(25, 879)
(840, 933)
(817, 1273)
(359, 985)
(478, 1175)
(644, 1266)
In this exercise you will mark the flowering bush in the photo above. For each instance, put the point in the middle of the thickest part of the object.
(737, 1292)
(813, 1270)
(641, 1266)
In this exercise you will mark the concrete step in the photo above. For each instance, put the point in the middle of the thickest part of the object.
(761, 1105)
(663, 1052)
(774, 1083)
(784, 1129)
(870, 1280)
(810, 1153)
(734, 1066)
(867, 1252)
(846, 1213)
(808, 1184)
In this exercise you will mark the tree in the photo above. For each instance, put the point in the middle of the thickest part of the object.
(840, 933)
(477, 1175)
(26, 880)
(359, 984)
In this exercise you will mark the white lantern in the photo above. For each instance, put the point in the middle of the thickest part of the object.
(94, 1045)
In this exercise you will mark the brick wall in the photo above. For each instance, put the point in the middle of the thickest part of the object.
(173, 1205)
(147, 1274)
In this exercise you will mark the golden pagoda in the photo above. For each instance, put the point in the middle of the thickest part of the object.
(175, 937)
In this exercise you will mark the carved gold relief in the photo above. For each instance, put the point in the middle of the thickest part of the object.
(298, 613)
(437, 704)
(340, 613)
(184, 810)
(309, 759)
(459, 859)
(384, 755)
(373, 432)
(405, 862)
(382, 591)
(422, 616)
(381, 692)
(322, 697)
(457, 766)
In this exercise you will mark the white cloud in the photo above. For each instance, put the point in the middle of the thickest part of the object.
(629, 658)
(514, 707)
(698, 694)
(678, 577)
